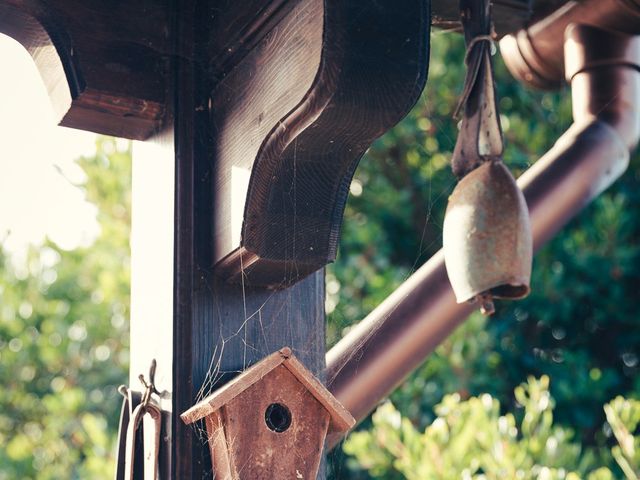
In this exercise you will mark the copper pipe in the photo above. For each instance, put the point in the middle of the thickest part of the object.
(394, 339)
(535, 56)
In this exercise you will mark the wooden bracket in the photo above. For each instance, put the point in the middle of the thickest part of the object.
(291, 119)
(105, 65)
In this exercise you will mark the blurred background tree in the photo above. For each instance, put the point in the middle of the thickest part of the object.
(64, 316)
(64, 335)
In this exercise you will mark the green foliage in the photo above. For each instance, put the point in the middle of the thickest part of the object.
(579, 326)
(64, 339)
(624, 417)
(471, 439)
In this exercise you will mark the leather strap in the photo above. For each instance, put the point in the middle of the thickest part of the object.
(480, 137)
(125, 414)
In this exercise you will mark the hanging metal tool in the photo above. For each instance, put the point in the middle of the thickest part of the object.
(487, 234)
(146, 414)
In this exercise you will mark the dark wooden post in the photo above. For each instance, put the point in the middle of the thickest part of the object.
(215, 329)
(221, 126)
(287, 100)
(255, 114)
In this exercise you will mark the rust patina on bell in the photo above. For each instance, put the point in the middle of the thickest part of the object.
(487, 237)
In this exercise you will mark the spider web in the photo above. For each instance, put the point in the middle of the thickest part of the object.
(260, 316)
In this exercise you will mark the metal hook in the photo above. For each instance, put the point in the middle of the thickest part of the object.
(152, 371)
(124, 391)
(150, 386)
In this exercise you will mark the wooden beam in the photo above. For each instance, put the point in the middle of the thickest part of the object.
(105, 64)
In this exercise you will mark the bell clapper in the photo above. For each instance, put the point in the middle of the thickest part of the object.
(486, 303)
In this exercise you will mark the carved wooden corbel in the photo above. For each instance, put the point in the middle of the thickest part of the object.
(291, 120)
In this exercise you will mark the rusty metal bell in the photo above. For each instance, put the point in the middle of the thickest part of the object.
(487, 237)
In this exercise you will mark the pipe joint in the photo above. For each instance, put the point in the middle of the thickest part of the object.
(535, 55)
(603, 68)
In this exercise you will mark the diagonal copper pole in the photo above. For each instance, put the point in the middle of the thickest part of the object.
(394, 339)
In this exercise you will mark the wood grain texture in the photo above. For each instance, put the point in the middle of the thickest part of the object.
(105, 64)
(241, 443)
(269, 82)
(340, 419)
(218, 446)
(219, 329)
(258, 453)
(364, 66)
(237, 27)
(233, 329)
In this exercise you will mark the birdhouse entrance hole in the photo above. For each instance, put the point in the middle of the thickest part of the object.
(277, 417)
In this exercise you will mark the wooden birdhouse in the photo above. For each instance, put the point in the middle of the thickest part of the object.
(270, 422)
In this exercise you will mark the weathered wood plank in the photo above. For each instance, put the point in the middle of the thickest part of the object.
(294, 453)
(270, 421)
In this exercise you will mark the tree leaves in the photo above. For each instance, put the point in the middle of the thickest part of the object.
(471, 439)
(64, 339)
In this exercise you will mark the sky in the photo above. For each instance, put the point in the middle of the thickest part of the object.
(37, 169)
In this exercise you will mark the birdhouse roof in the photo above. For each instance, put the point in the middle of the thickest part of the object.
(341, 419)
